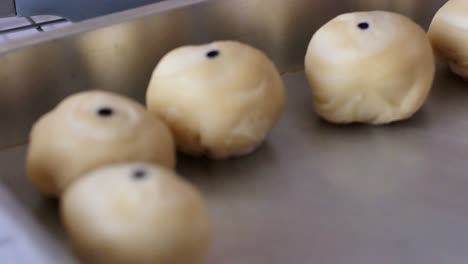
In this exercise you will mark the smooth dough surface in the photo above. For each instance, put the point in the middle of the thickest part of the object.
(136, 213)
(220, 99)
(91, 129)
(369, 67)
(449, 35)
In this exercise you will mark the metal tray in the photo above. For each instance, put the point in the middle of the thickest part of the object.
(314, 193)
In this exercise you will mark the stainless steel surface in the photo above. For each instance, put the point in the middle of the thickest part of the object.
(314, 193)
(119, 52)
(7, 8)
(318, 193)
(23, 239)
(76, 10)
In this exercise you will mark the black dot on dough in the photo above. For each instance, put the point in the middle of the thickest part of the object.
(212, 54)
(139, 174)
(105, 111)
(363, 25)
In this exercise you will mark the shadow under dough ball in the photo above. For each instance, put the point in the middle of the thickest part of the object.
(449, 35)
(136, 213)
(369, 67)
(220, 99)
(89, 130)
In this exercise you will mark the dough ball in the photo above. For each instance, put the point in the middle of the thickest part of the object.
(369, 67)
(449, 35)
(220, 99)
(89, 130)
(136, 213)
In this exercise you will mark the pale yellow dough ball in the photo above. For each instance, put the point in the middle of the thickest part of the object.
(136, 213)
(369, 67)
(89, 130)
(449, 35)
(220, 99)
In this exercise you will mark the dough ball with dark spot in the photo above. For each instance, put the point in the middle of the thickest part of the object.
(91, 129)
(136, 213)
(369, 67)
(220, 99)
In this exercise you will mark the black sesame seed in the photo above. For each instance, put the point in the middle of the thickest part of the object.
(105, 111)
(212, 54)
(363, 25)
(139, 174)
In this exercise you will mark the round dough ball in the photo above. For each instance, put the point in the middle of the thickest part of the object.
(369, 67)
(136, 213)
(220, 99)
(89, 130)
(449, 35)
